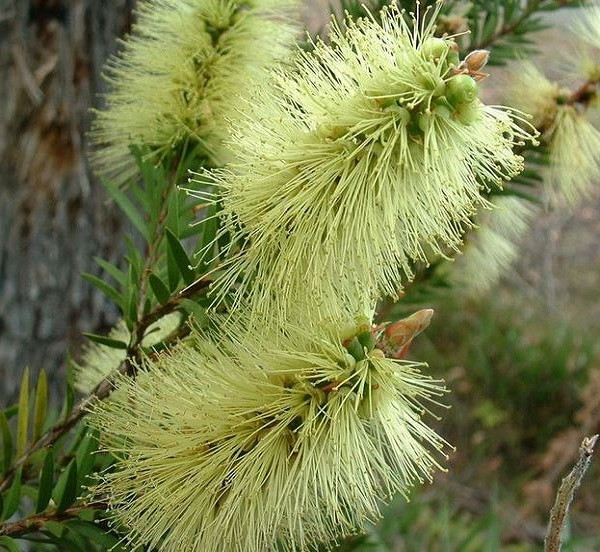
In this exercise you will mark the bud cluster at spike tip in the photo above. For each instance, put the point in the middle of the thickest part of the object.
(179, 76)
(266, 442)
(370, 154)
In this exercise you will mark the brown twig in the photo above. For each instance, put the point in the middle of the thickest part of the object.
(105, 387)
(36, 522)
(565, 494)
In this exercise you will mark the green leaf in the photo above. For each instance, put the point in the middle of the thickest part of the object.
(55, 528)
(193, 308)
(9, 543)
(159, 289)
(69, 398)
(173, 274)
(7, 443)
(23, 421)
(92, 532)
(105, 288)
(46, 480)
(113, 271)
(85, 455)
(41, 404)
(11, 411)
(13, 497)
(65, 490)
(180, 257)
(128, 208)
(108, 341)
(87, 514)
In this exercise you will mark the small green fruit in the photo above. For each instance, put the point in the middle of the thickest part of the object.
(434, 48)
(461, 89)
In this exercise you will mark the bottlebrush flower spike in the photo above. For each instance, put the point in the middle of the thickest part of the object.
(180, 74)
(286, 440)
(371, 152)
(573, 140)
(492, 247)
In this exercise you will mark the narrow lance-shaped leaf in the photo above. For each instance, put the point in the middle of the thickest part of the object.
(65, 490)
(107, 341)
(93, 533)
(9, 544)
(117, 274)
(13, 497)
(85, 455)
(173, 275)
(105, 288)
(128, 208)
(55, 528)
(7, 443)
(41, 404)
(180, 257)
(45, 484)
(159, 289)
(193, 308)
(23, 421)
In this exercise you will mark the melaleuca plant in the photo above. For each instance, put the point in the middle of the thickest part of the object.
(252, 397)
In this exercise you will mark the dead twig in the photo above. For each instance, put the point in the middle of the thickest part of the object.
(565, 494)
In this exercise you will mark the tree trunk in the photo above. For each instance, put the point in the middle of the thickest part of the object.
(54, 217)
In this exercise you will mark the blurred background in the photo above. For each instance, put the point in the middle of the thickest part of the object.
(522, 365)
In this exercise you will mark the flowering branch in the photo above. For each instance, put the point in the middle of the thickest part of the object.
(105, 387)
(565, 494)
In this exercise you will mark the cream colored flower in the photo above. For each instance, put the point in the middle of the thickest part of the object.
(286, 440)
(349, 166)
(179, 76)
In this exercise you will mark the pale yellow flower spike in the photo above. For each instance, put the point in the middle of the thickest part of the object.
(573, 140)
(492, 247)
(372, 151)
(179, 76)
(269, 442)
(574, 155)
(587, 27)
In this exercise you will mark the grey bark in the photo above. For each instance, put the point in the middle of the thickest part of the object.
(54, 217)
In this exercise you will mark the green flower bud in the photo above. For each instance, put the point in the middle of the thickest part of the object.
(461, 89)
(434, 48)
(424, 121)
(367, 340)
(349, 361)
(468, 113)
(355, 348)
(442, 111)
(402, 114)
